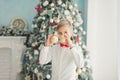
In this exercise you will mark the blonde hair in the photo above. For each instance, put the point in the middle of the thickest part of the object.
(64, 23)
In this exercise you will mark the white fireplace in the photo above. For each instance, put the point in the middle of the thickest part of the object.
(11, 52)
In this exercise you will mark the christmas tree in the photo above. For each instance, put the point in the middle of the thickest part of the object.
(49, 13)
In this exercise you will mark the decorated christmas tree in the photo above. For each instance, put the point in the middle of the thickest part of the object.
(49, 13)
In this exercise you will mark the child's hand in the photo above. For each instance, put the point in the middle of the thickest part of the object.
(49, 40)
(68, 40)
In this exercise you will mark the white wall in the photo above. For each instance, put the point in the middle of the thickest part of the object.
(118, 20)
(102, 38)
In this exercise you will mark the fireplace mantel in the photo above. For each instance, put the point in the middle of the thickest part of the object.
(16, 46)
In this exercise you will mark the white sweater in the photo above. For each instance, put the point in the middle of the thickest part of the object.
(64, 61)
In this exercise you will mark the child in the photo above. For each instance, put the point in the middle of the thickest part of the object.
(66, 56)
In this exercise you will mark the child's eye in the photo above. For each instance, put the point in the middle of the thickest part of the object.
(59, 33)
(65, 32)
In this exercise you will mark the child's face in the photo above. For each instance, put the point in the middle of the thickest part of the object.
(64, 31)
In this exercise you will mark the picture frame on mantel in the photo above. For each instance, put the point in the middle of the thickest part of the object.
(19, 22)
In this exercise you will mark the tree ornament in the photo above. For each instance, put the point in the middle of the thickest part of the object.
(76, 24)
(63, 5)
(73, 13)
(80, 12)
(77, 39)
(75, 30)
(33, 44)
(83, 69)
(70, 7)
(75, 5)
(43, 18)
(45, 3)
(35, 26)
(69, 18)
(44, 12)
(35, 70)
(51, 20)
(38, 61)
(48, 76)
(52, 4)
(30, 56)
(66, 12)
(38, 8)
(84, 32)
(79, 71)
(39, 18)
(36, 52)
(84, 47)
(81, 29)
(80, 20)
(52, 9)
(56, 20)
(43, 26)
(59, 2)
(53, 24)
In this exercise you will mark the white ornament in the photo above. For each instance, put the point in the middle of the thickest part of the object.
(48, 76)
(66, 12)
(73, 13)
(52, 4)
(33, 44)
(75, 5)
(79, 71)
(36, 52)
(51, 20)
(75, 30)
(80, 20)
(36, 43)
(84, 47)
(30, 57)
(35, 70)
(59, 2)
(84, 32)
(76, 24)
(45, 3)
(63, 5)
(52, 9)
(80, 38)
(39, 18)
(34, 25)
(70, 7)
(84, 69)
(43, 18)
(81, 29)
(80, 43)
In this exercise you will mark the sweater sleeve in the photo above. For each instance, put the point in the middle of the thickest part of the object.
(77, 56)
(45, 55)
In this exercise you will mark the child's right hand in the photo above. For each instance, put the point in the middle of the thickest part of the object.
(49, 40)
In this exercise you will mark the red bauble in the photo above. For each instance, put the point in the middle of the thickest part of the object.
(80, 12)
(38, 8)
(77, 39)
(53, 24)
(37, 61)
